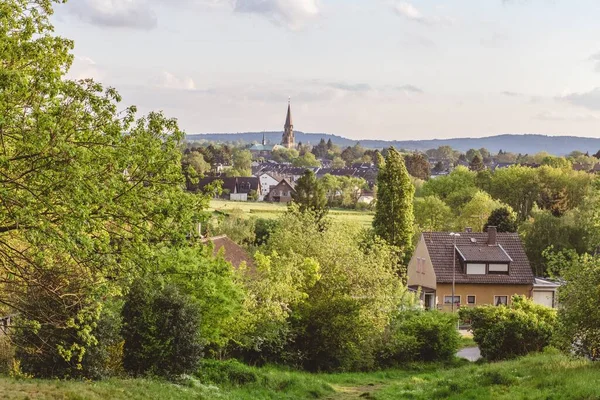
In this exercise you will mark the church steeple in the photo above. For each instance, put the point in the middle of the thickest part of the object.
(288, 139)
(264, 141)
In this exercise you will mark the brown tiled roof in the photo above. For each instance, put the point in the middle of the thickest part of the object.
(232, 252)
(482, 252)
(440, 247)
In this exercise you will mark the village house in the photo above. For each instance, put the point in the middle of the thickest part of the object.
(486, 268)
(234, 188)
(233, 253)
(282, 192)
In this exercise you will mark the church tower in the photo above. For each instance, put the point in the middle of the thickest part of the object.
(288, 140)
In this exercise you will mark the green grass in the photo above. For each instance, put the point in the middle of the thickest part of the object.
(467, 341)
(273, 210)
(543, 376)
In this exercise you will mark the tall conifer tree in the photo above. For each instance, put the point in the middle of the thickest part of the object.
(394, 219)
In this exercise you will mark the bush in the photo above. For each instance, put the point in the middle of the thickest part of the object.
(160, 328)
(510, 331)
(417, 335)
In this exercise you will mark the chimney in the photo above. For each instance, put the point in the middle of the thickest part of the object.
(468, 229)
(491, 231)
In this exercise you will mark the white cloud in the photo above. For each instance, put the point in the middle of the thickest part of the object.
(115, 13)
(410, 12)
(291, 13)
(595, 58)
(84, 68)
(589, 100)
(167, 80)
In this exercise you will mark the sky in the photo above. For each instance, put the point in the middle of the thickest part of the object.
(363, 69)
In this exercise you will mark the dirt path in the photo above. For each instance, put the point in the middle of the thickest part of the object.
(355, 392)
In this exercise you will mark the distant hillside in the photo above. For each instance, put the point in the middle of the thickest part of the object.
(525, 144)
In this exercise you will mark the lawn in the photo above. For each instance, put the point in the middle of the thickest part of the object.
(543, 376)
(272, 210)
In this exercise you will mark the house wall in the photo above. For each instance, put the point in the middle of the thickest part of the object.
(484, 294)
(266, 183)
(425, 277)
(238, 197)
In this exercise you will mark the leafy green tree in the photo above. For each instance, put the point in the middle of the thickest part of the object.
(516, 186)
(476, 164)
(504, 219)
(306, 160)
(88, 191)
(455, 189)
(543, 230)
(338, 162)
(310, 195)
(348, 307)
(477, 211)
(242, 163)
(578, 315)
(472, 153)
(161, 331)
(394, 219)
(432, 214)
(418, 166)
(557, 162)
(320, 150)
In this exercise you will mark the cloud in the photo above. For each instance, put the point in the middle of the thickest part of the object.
(136, 14)
(84, 68)
(169, 81)
(291, 13)
(589, 100)
(553, 116)
(350, 87)
(410, 89)
(410, 12)
(512, 94)
(595, 58)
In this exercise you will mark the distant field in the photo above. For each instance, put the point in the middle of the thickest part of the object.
(273, 210)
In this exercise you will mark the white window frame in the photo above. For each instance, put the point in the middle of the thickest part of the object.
(502, 304)
(457, 296)
(479, 265)
(474, 299)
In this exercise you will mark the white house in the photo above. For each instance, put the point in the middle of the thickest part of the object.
(267, 182)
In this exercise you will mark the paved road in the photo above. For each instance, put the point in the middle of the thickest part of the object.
(470, 353)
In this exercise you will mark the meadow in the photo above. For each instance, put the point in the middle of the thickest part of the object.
(550, 375)
(273, 210)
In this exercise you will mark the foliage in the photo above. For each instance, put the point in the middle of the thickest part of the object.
(394, 219)
(517, 187)
(194, 166)
(455, 189)
(579, 314)
(504, 332)
(432, 214)
(236, 226)
(543, 230)
(477, 211)
(504, 219)
(476, 164)
(161, 330)
(310, 195)
(306, 160)
(347, 308)
(417, 165)
(262, 230)
(416, 335)
(242, 163)
(87, 190)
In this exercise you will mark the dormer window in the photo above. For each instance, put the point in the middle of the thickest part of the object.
(475, 269)
(501, 269)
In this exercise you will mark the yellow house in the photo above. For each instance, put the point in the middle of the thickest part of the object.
(484, 268)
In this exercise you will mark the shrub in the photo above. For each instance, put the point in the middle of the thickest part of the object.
(417, 335)
(510, 331)
(160, 328)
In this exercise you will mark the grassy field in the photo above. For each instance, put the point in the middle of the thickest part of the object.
(542, 376)
(272, 210)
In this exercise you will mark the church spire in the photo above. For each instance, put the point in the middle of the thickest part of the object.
(288, 119)
(288, 139)
(264, 141)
